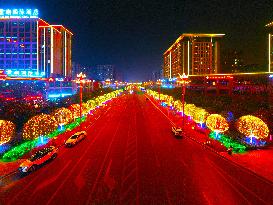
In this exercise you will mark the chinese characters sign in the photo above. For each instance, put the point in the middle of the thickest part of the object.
(19, 13)
(25, 73)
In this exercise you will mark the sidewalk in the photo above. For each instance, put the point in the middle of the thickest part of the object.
(259, 161)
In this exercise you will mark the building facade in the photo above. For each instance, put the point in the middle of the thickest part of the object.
(193, 54)
(31, 47)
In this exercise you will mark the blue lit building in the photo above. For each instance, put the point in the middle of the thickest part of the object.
(30, 47)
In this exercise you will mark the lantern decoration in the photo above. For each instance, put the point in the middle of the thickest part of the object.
(217, 123)
(200, 115)
(63, 116)
(40, 125)
(75, 109)
(7, 131)
(189, 109)
(252, 126)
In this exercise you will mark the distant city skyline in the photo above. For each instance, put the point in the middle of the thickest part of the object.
(133, 35)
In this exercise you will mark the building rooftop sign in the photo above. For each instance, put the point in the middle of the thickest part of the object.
(19, 13)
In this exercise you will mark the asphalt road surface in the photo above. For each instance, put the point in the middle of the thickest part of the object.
(131, 157)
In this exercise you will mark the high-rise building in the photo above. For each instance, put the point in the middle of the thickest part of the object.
(269, 27)
(232, 61)
(193, 54)
(31, 47)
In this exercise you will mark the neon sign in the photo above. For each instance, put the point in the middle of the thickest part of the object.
(19, 13)
(25, 73)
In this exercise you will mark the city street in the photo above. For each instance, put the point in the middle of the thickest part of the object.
(130, 156)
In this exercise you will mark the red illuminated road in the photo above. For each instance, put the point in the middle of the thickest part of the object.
(131, 157)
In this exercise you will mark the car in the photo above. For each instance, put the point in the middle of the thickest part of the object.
(75, 138)
(177, 131)
(38, 158)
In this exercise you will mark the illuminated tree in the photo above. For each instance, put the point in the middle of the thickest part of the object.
(189, 109)
(200, 115)
(7, 131)
(217, 123)
(252, 126)
(75, 109)
(40, 125)
(63, 116)
(91, 104)
(178, 105)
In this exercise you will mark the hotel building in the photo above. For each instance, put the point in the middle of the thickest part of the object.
(32, 48)
(193, 54)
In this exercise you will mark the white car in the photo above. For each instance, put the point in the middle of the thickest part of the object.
(75, 138)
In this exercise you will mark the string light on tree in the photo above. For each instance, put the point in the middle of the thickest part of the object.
(217, 123)
(63, 116)
(252, 127)
(40, 125)
(7, 131)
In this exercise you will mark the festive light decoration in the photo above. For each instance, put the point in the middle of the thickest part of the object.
(63, 116)
(75, 109)
(252, 127)
(39, 125)
(200, 115)
(217, 123)
(40, 129)
(19, 150)
(178, 105)
(7, 131)
(190, 109)
(228, 142)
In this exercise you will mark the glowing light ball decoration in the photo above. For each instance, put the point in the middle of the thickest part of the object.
(217, 123)
(85, 109)
(170, 100)
(189, 109)
(200, 115)
(252, 126)
(63, 116)
(7, 131)
(178, 105)
(91, 104)
(75, 109)
(40, 125)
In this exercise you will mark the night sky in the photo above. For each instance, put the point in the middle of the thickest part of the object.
(133, 34)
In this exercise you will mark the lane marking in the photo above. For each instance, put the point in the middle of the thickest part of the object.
(103, 163)
(51, 180)
(219, 154)
(79, 180)
(220, 170)
(76, 165)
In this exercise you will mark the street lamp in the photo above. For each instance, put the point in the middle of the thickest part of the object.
(80, 80)
(183, 80)
(159, 82)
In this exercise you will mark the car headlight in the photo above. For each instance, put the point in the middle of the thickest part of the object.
(23, 169)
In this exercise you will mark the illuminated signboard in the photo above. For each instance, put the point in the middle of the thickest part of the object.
(19, 13)
(2, 74)
(25, 73)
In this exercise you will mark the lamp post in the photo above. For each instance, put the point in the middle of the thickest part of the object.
(183, 80)
(80, 80)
